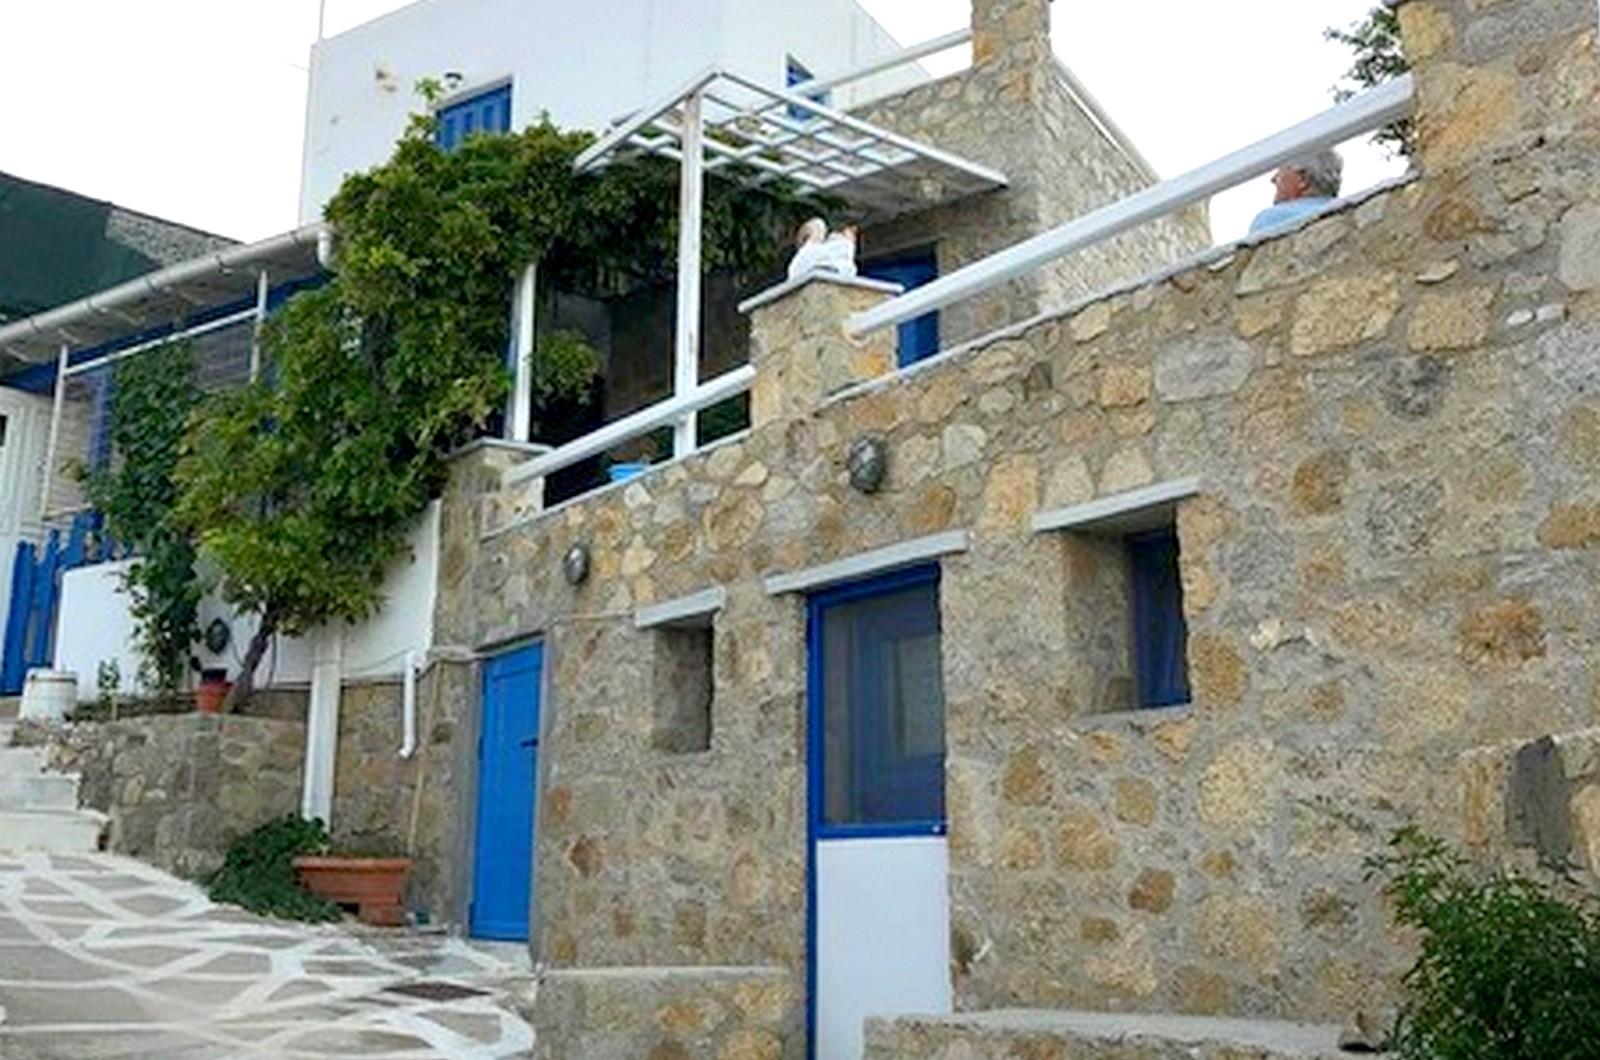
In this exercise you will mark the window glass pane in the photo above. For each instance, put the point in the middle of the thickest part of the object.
(1160, 636)
(883, 709)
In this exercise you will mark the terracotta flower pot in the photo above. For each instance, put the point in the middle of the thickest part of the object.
(209, 696)
(375, 886)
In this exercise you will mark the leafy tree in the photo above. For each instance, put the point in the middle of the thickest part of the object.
(1380, 57)
(1507, 970)
(152, 399)
(300, 488)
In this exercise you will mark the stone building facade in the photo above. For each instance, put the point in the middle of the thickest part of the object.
(1375, 438)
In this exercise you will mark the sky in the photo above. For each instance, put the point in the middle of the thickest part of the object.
(193, 110)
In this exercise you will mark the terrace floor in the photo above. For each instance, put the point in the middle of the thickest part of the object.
(102, 956)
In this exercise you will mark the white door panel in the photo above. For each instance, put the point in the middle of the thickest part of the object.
(883, 935)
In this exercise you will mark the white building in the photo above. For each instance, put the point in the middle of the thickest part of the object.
(552, 55)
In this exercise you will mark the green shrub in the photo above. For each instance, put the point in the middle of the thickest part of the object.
(1508, 969)
(258, 873)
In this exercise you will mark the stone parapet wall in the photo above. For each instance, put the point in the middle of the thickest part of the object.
(1015, 1034)
(180, 787)
(668, 1014)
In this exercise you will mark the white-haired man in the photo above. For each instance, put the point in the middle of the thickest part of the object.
(1304, 187)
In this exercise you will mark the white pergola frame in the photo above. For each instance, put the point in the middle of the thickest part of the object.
(723, 123)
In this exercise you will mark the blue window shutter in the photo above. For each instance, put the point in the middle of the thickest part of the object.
(919, 338)
(486, 112)
(795, 73)
(1160, 636)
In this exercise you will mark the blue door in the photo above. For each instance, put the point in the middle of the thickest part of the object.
(918, 338)
(508, 750)
(878, 922)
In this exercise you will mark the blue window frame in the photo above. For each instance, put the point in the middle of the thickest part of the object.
(877, 708)
(485, 112)
(1160, 636)
(795, 73)
(918, 339)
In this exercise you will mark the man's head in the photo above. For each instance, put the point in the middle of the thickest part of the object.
(1317, 176)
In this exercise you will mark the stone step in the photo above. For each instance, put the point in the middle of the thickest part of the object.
(1098, 1036)
(25, 760)
(6, 729)
(58, 831)
(40, 791)
(10, 706)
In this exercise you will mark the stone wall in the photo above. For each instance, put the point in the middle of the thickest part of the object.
(386, 804)
(1392, 558)
(668, 1014)
(180, 787)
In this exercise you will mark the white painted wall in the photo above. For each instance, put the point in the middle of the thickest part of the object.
(585, 64)
(27, 430)
(95, 624)
(883, 935)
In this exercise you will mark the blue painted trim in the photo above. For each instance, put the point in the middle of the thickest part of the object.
(892, 830)
(41, 378)
(816, 605)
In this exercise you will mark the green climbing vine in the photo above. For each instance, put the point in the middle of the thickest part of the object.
(299, 488)
(152, 399)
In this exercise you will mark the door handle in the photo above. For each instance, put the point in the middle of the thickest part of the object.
(532, 741)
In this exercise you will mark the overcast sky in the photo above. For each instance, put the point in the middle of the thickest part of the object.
(193, 109)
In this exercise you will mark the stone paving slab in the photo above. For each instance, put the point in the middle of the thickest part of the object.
(103, 958)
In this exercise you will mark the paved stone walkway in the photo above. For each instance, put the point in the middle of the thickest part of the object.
(103, 957)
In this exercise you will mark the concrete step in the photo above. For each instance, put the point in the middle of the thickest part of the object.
(1098, 1036)
(41, 791)
(6, 729)
(10, 706)
(24, 760)
(58, 831)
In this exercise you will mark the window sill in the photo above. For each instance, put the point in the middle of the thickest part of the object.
(1147, 717)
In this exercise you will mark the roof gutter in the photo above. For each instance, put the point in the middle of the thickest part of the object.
(47, 325)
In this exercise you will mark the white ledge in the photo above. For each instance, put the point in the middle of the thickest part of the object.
(772, 294)
(866, 564)
(683, 609)
(1134, 510)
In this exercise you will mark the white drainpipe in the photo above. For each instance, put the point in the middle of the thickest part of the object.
(408, 743)
(322, 724)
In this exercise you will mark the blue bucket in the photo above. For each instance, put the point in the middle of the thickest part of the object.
(623, 472)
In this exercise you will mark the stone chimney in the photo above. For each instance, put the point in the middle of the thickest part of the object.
(1496, 79)
(1006, 31)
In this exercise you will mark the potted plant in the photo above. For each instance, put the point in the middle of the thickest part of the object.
(212, 690)
(373, 882)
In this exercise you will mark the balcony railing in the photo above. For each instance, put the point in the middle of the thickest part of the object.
(1363, 114)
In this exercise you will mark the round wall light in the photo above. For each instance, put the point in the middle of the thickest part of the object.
(868, 463)
(575, 564)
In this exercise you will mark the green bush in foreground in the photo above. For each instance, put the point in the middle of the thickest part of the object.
(258, 871)
(1508, 969)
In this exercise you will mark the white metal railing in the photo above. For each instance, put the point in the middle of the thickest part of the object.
(1367, 112)
(666, 413)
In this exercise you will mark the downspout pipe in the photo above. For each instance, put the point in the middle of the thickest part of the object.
(408, 704)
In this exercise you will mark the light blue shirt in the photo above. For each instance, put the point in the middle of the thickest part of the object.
(1287, 214)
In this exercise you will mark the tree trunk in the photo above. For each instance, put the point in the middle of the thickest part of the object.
(245, 685)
